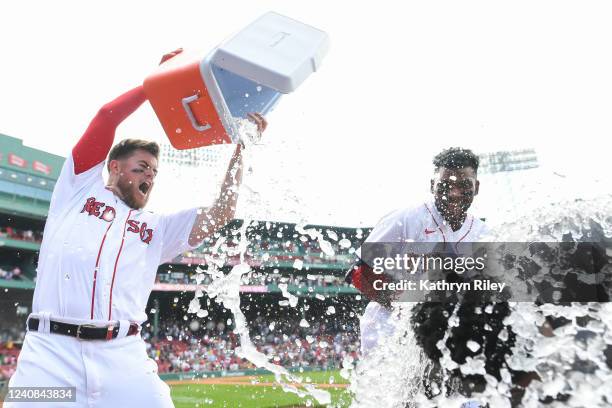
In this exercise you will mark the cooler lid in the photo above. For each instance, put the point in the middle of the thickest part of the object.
(274, 51)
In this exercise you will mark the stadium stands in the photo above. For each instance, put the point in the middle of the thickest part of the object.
(9, 352)
(21, 235)
(10, 345)
(11, 273)
(278, 253)
(260, 278)
(177, 349)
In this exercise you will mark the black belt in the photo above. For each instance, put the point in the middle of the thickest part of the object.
(84, 331)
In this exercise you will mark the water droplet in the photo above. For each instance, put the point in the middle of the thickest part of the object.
(326, 247)
(194, 305)
(503, 335)
(179, 130)
(472, 345)
(344, 243)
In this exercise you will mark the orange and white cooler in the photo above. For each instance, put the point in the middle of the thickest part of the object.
(198, 99)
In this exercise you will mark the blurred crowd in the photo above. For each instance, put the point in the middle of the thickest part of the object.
(280, 251)
(259, 278)
(9, 352)
(211, 348)
(21, 235)
(10, 345)
(10, 273)
(307, 280)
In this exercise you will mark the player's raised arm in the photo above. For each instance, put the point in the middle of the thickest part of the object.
(212, 219)
(96, 142)
(94, 145)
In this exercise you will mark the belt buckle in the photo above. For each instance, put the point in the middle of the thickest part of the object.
(109, 331)
(78, 332)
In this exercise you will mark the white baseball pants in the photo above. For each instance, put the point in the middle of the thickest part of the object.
(115, 373)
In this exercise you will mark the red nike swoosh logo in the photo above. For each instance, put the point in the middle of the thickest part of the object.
(428, 231)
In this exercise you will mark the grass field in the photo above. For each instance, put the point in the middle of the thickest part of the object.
(255, 392)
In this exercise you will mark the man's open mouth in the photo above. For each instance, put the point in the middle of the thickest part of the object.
(144, 188)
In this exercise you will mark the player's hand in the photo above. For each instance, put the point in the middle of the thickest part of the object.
(169, 55)
(259, 120)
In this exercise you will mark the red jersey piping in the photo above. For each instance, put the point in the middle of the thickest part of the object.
(95, 277)
(466, 234)
(110, 300)
(437, 225)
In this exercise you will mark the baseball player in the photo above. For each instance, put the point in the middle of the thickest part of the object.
(97, 265)
(444, 219)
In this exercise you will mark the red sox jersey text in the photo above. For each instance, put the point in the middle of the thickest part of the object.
(99, 257)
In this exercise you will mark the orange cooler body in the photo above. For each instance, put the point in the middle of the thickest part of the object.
(198, 98)
(182, 103)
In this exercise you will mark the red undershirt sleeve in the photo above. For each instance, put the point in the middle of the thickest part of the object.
(96, 142)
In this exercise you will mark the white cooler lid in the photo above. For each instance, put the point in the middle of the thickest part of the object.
(274, 51)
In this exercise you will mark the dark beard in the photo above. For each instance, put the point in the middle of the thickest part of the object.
(451, 216)
(126, 196)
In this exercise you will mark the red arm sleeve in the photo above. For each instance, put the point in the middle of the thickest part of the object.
(98, 139)
(363, 278)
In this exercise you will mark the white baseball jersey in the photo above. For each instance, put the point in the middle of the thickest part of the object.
(422, 223)
(99, 258)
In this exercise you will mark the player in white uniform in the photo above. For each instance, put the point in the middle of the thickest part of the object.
(444, 219)
(97, 266)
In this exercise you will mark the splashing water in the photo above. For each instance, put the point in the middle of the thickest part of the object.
(389, 375)
(293, 300)
(249, 134)
(572, 361)
(317, 235)
(225, 289)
